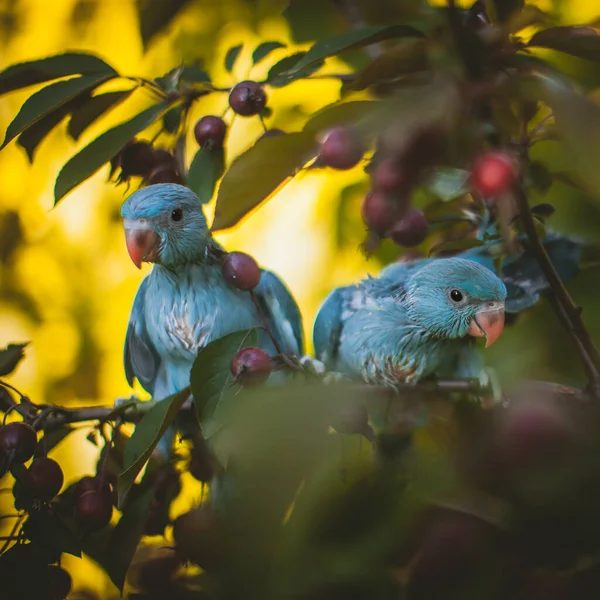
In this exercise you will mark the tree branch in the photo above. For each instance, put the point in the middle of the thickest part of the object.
(568, 312)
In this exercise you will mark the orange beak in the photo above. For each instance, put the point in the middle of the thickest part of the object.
(488, 323)
(142, 243)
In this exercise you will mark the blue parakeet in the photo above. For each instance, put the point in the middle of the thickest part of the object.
(417, 324)
(185, 303)
(418, 346)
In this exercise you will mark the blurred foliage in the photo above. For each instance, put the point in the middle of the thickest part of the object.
(312, 514)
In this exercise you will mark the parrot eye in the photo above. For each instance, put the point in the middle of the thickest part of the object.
(456, 295)
(177, 214)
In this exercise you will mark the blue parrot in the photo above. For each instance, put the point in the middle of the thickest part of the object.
(185, 303)
(376, 330)
(417, 324)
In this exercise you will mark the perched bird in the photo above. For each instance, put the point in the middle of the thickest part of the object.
(185, 302)
(427, 341)
(403, 329)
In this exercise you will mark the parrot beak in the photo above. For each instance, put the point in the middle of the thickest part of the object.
(488, 323)
(142, 242)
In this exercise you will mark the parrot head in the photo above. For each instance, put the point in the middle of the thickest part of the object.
(164, 223)
(454, 297)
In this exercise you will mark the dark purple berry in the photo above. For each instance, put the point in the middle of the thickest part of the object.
(210, 132)
(164, 157)
(155, 572)
(247, 98)
(251, 366)
(18, 442)
(137, 158)
(202, 464)
(411, 230)
(241, 271)
(93, 510)
(163, 174)
(340, 148)
(380, 212)
(388, 176)
(59, 583)
(44, 478)
(92, 484)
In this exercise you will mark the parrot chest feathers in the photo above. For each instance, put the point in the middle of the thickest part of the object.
(191, 308)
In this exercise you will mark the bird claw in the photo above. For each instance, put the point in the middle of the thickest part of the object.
(312, 365)
(122, 401)
(488, 380)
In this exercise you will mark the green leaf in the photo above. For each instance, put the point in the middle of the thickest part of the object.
(257, 173)
(49, 99)
(278, 74)
(125, 538)
(355, 113)
(353, 39)
(172, 119)
(583, 42)
(211, 371)
(539, 177)
(93, 109)
(194, 74)
(264, 49)
(232, 56)
(38, 71)
(577, 121)
(91, 158)
(206, 169)
(456, 245)
(154, 17)
(51, 531)
(448, 184)
(31, 138)
(146, 435)
(10, 357)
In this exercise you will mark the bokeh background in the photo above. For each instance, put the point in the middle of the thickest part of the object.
(66, 281)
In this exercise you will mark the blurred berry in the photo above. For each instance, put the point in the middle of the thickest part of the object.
(18, 442)
(493, 174)
(340, 148)
(411, 230)
(251, 366)
(241, 270)
(44, 479)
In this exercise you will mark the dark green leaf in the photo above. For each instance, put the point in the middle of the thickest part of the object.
(264, 49)
(101, 150)
(154, 16)
(354, 38)
(530, 15)
(257, 173)
(49, 99)
(402, 59)
(50, 531)
(577, 121)
(31, 138)
(38, 71)
(172, 119)
(211, 371)
(456, 245)
(206, 169)
(51, 439)
(126, 537)
(10, 357)
(448, 184)
(278, 77)
(341, 113)
(94, 108)
(539, 177)
(232, 56)
(505, 9)
(543, 210)
(583, 42)
(146, 435)
(194, 74)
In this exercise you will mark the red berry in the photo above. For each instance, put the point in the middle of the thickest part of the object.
(389, 176)
(137, 158)
(92, 484)
(247, 98)
(18, 441)
(251, 366)
(241, 271)
(380, 212)
(59, 583)
(163, 174)
(44, 478)
(340, 148)
(412, 230)
(210, 131)
(93, 510)
(493, 174)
